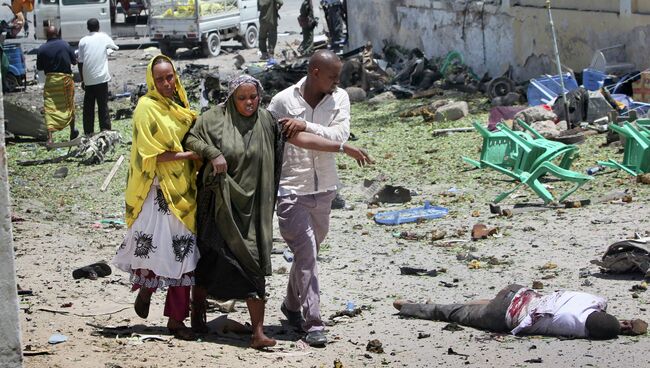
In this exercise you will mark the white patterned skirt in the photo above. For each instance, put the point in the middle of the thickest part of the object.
(158, 250)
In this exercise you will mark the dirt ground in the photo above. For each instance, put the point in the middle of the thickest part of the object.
(58, 231)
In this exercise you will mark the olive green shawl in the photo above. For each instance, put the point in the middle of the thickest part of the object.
(245, 195)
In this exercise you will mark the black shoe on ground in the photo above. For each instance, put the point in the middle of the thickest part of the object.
(294, 318)
(316, 338)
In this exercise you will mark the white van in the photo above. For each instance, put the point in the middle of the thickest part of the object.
(70, 17)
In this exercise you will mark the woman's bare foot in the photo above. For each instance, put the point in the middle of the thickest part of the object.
(262, 341)
(180, 331)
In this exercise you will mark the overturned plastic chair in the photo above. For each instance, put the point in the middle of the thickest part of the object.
(636, 154)
(497, 148)
(500, 149)
(531, 160)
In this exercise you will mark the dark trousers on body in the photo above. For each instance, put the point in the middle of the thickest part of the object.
(490, 316)
(96, 93)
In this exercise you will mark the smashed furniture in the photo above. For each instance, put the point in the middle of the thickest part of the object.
(627, 256)
(528, 159)
(501, 150)
(636, 155)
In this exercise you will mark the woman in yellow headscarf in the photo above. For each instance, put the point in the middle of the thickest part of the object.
(159, 250)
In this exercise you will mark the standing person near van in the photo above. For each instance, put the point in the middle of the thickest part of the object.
(268, 26)
(55, 58)
(307, 22)
(93, 70)
(20, 8)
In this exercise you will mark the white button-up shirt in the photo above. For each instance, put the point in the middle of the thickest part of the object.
(306, 171)
(93, 54)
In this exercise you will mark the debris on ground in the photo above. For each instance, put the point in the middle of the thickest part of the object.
(538, 285)
(481, 231)
(392, 194)
(420, 271)
(453, 327)
(375, 346)
(627, 256)
(417, 214)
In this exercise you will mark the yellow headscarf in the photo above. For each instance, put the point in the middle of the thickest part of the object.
(159, 125)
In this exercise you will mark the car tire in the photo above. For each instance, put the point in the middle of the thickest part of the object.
(10, 83)
(250, 37)
(167, 49)
(212, 45)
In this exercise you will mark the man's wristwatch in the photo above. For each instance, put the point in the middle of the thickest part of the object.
(341, 147)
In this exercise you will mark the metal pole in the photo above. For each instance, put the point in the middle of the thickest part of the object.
(559, 65)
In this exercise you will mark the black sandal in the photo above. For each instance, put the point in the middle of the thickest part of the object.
(141, 306)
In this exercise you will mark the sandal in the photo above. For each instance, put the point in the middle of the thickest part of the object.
(141, 306)
(199, 318)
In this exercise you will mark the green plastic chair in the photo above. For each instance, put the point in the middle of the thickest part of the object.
(538, 150)
(532, 159)
(497, 148)
(636, 154)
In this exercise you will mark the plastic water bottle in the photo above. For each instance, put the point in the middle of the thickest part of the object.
(288, 255)
(595, 169)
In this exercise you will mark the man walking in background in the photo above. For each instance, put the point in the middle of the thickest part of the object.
(55, 58)
(268, 26)
(93, 69)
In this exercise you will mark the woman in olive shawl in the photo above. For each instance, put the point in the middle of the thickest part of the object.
(159, 249)
(243, 147)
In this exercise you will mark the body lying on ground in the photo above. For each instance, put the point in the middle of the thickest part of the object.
(523, 311)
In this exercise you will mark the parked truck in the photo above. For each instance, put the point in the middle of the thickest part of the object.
(117, 18)
(202, 23)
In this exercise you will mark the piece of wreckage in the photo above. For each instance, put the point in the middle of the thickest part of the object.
(627, 256)
(92, 150)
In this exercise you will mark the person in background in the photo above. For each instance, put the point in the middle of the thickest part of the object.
(307, 22)
(93, 70)
(55, 58)
(159, 250)
(20, 8)
(334, 14)
(268, 26)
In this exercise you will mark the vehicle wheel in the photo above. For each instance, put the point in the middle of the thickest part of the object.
(250, 37)
(9, 83)
(167, 49)
(212, 45)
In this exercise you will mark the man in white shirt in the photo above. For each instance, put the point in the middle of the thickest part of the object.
(308, 183)
(520, 310)
(93, 69)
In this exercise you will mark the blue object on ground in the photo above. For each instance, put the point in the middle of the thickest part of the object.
(593, 79)
(411, 214)
(57, 339)
(544, 89)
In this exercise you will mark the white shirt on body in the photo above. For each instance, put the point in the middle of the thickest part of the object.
(305, 171)
(562, 313)
(93, 54)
